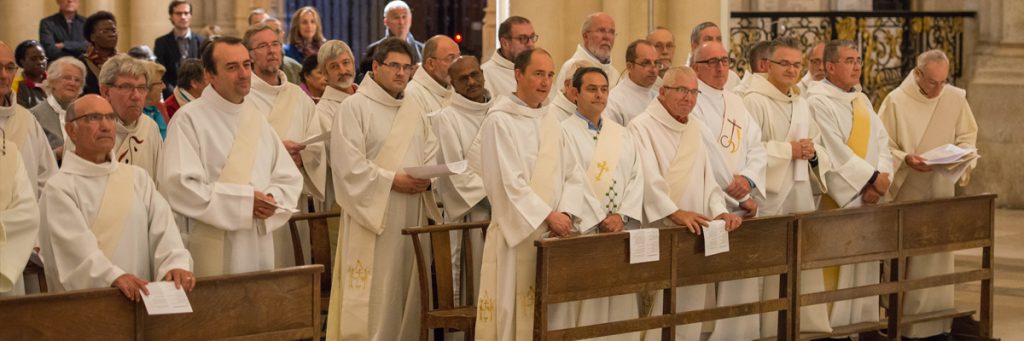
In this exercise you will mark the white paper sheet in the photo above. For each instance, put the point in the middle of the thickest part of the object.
(948, 154)
(165, 299)
(282, 208)
(314, 139)
(716, 238)
(433, 171)
(643, 245)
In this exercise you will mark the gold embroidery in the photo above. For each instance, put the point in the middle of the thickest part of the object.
(527, 299)
(727, 141)
(358, 276)
(603, 166)
(485, 310)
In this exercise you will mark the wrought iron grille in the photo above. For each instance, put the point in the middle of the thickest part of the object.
(889, 41)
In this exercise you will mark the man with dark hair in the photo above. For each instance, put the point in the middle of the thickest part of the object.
(371, 142)
(178, 45)
(62, 33)
(225, 172)
(632, 95)
(757, 59)
(190, 85)
(533, 189)
(515, 35)
(397, 23)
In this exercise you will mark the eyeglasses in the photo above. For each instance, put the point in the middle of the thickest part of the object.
(660, 46)
(399, 66)
(276, 45)
(604, 31)
(128, 87)
(68, 78)
(816, 61)
(94, 118)
(787, 64)
(646, 64)
(683, 90)
(12, 67)
(523, 39)
(449, 59)
(851, 61)
(724, 61)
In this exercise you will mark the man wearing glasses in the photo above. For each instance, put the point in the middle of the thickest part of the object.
(737, 139)
(675, 149)
(21, 127)
(430, 86)
(515, 35)
(631, 97)
(815, 67)
(372, 141)
(103, 222)
(858, 146)
(598, 35)
(706, 32)
(292, 114)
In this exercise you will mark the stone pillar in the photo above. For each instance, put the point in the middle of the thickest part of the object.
(20, 21)
(996, 94)
(148, 20)
(490, 31)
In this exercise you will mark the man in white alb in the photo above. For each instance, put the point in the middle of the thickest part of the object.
(515, 35)
(707, 32)
(636, 90)
(21, 127)
(598, 34)
(430, 87)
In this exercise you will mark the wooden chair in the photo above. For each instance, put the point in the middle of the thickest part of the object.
(35, 268)
(448, 314)
(320, 247)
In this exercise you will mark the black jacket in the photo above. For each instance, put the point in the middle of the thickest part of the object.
(54, 29)
(168, 55)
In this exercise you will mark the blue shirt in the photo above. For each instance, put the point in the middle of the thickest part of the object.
(590, 125)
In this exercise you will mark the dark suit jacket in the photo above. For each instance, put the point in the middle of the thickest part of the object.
(367, 62)
(54, 29)
(168, 55)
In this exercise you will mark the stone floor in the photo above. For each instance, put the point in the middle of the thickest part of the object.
(1009, 265)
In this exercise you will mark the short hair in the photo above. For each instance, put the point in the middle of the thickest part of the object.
(56, 70)
(631, 49)
(331, 50)
(308, 66)
(931, 56)
(95, 18)
(832, 49)
(505, 29)
(190, 70)
(254, 12)
(22, 49)
(253, 30)
(588, 21)
(155, 71)
(122, 65)
(576, 65)
(523, 59)
(577, 77)
(396, 5)
(673, 72)
(294, 34)
(210, 65)
(70, 113)
(389, 45)
(142, 52)
(783, 43)
(695, 34)
(760, 50)
(176, 3)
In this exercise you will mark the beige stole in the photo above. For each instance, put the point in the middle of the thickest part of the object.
(206, 243)
(118, 199)
(605, 159)
(18, 125)
(280, 116)
(10, 161)
(684, 161)
(940, 128)
(356, 273)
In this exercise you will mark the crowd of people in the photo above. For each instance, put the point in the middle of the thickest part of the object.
(189, 159)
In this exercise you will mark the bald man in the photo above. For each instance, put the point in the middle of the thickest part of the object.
(430, 87)
(598, 39)
(815, 67)
(21, 127)
(665, 43)
(706, 32)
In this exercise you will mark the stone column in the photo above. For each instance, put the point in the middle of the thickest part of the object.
(490, 31)
(996, 94)
(20, 21)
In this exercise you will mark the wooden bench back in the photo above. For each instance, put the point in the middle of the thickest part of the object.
(439, 237)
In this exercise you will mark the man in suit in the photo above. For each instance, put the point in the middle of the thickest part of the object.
(398, 20)
(61, 34)
(180, 44)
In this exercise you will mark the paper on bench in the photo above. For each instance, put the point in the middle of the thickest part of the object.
(643, 245)
(716, 238)
(433, 171)
(165, 299)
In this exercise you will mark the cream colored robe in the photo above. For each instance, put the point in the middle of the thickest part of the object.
(561, 106)
(775, 113)
(361, 127)
(657, 135)
(507, 152)
(36, 155)
(906, 114)
(195, 151)
(326, 110)
(19, 220)
(805, 83)
(138, 144)
(149, 245)
(424, 92)
(832, 109)
(582, 53)
(499, 75)
(627, 101)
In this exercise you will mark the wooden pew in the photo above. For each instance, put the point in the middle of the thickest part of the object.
(319, 248)
(268, 305)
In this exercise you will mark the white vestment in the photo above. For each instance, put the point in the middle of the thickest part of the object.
(583, 54)
(784, 118)
(424, 92)
(915, 125)
(627, 100)
(832, 109)
(19, 219)
(195, 153)
(78, 256)
(499, 75)
(21, 127)
(730, 83)
(139, 144)
(561, 106)
(326, 109)
(743, 88)
(292, 115)
(805, 83)
(671, 185)
(622, 195)
(375, 293)
(509, 148)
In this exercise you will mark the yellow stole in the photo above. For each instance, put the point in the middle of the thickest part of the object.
(280, 117)
(605, 159)
(206, 243)
(118, 199)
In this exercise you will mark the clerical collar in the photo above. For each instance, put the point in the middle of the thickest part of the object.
(852, 90)
(590, 124)
(76, 165)
(470, 106)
